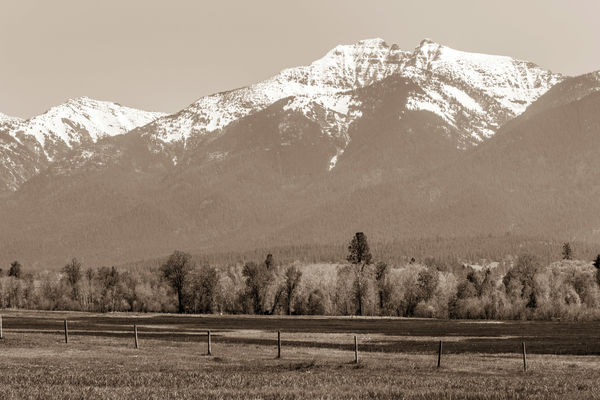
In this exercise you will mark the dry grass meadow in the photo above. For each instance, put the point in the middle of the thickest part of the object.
(100, 360)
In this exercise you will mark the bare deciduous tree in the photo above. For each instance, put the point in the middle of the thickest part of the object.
(73, 275)
(292, 280)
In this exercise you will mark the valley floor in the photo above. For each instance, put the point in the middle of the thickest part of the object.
(397, 358)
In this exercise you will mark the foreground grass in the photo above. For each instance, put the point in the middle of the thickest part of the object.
(41, 366)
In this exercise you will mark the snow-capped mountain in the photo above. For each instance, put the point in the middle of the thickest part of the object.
(27, 146)
(6, 121)
(474, 93)
(318, 85)
(80, 120)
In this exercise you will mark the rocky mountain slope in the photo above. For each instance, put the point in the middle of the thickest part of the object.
(28, 146)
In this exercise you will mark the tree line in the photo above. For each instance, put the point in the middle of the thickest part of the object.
(511, 288)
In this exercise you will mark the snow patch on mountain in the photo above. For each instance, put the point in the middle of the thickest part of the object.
(335, 158)
(427, 102)
(463, 98)
(334, 113)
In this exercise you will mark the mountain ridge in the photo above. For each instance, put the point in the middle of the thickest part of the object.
(473, 103)
(27, 146)
(349, 67)
(424, 143)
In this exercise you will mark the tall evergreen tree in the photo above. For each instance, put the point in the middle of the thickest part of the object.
(269, 261)
(15, 269)
(359, 252)
(360, 257)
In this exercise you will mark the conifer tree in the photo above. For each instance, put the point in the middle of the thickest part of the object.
(360, 257)
(359, 252)
(15, 269)
(269, 262)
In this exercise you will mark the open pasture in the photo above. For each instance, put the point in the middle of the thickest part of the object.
(397, 358)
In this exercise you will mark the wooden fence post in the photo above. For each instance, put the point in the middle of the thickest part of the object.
(524, 357)
(66, 332)
(439, 355)
(355, 349)
(208, 350)
(278, 344)
(135, 336)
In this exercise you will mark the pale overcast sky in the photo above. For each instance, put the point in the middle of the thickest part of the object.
(163, 55)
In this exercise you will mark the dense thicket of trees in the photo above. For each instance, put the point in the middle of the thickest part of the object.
(448, 252)
(523, 287)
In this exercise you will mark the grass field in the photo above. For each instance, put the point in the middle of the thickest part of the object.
(397, 358)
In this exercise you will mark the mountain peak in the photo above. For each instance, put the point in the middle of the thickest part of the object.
(79, 120)
(511, 83)
(429, 46)
(427, 42)
(373, 42)
(343, 68)
(83, 100)
(350, 54)
(7, 118)
(452, 82)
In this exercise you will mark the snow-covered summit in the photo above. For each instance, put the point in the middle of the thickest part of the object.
(473, 92)
(80, 120)
(513, 83)
(6, 121)
(28, 146)
(347, 67)
(344, 68)
(7, 118)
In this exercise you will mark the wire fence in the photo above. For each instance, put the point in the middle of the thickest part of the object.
(135, 332)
